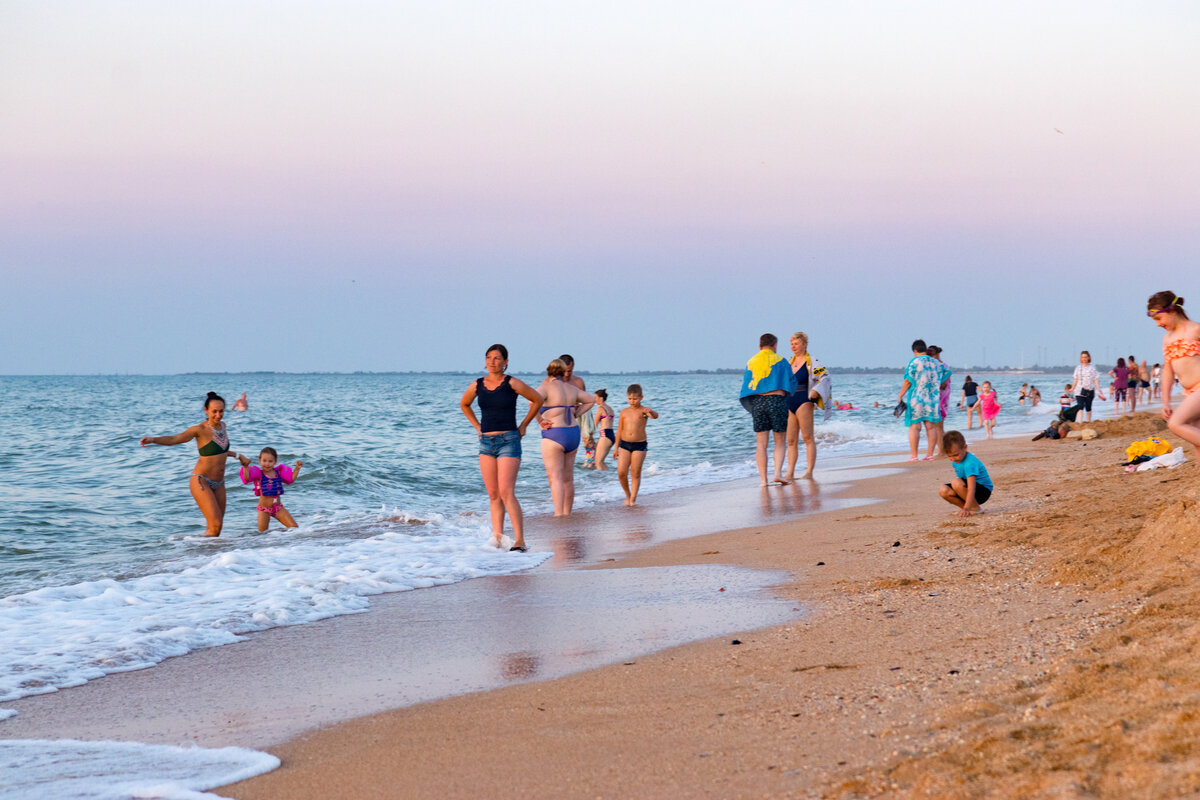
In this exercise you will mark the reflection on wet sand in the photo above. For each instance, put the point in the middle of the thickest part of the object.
(520, 666)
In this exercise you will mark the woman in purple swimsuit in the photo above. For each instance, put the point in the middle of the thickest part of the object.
(559, 418)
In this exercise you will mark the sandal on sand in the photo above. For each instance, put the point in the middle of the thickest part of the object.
(914, 458)
(520, 548)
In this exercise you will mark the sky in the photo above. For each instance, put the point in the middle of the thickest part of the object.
(301, 186)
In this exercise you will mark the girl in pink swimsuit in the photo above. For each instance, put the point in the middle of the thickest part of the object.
(989, 406)
(268, 479)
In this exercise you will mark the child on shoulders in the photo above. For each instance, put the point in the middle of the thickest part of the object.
(972, 486)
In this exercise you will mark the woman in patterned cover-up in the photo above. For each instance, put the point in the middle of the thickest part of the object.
(921, 394)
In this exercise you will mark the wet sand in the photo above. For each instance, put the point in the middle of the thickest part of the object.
(410, 647)
(1043, 649)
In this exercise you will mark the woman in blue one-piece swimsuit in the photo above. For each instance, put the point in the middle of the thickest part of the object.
(559, 418)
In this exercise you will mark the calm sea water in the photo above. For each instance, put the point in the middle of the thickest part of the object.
(103, 566)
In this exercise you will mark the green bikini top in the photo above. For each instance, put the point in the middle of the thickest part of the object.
(219, 443)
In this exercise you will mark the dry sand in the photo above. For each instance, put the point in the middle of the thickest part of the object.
(1043, 649)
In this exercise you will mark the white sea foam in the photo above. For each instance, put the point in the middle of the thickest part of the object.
(38, 769)
(67, 635)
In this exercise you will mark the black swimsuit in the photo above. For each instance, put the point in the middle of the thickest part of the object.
(800, 396)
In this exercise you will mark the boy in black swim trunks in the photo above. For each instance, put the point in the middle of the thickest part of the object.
(631, 442)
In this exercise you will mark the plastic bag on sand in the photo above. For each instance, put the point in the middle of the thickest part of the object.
(1170, 460)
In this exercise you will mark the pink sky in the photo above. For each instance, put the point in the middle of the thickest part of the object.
(680, 156)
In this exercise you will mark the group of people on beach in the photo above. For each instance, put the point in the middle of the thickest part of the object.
(779, 393)
(924, 400)
(208, 476)
(781, 396)
(558, 405)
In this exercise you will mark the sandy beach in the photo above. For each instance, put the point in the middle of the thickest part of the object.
(849, 638)
(1040, 649)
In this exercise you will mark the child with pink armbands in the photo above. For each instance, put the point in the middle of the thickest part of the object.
(268, 479)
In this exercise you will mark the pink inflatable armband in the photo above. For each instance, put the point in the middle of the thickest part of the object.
(285, 472)
(251, 474)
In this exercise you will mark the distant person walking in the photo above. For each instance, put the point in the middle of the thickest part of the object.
(1120, 384)
(1181, 360)
(1086, 385)
(208, 476)
(920, 393)
(989, 407)
(766, 384)
(241, 404)
(500, 439)
(970, 401)
(1135, 382)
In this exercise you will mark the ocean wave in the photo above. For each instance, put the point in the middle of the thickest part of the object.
(35, 769)
(67, 635)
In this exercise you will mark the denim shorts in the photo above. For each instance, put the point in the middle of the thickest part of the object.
(500, 445)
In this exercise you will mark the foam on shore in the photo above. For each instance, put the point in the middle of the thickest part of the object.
(66, 769)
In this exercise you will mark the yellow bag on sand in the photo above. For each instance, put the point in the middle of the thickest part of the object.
(1147, 447)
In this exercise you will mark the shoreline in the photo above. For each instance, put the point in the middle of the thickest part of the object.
(174, 701)
(911, 650)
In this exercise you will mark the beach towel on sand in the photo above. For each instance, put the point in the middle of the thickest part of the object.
(1147, 447)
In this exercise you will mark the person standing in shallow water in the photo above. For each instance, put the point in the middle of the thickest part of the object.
(563, 404)
(500, 439)
(921, 394)
(812, 386)
(569, 376)
(766, 384)
(208, 476)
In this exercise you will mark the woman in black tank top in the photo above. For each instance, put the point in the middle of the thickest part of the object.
(500, 439)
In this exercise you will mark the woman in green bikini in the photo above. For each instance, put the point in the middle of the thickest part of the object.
(208, 476)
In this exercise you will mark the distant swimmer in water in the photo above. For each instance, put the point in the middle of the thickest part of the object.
(1181, 361)
(500, 439)
(268, 479)
(208, 476)
(240, 404)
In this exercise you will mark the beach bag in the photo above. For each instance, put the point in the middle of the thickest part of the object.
(1151, 447)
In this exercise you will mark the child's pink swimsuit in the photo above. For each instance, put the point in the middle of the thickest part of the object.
(988, 407)
(265, 487)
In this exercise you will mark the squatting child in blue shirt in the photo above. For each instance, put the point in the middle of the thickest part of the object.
(972, 486)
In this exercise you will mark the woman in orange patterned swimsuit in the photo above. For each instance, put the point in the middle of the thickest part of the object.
(1181, 361)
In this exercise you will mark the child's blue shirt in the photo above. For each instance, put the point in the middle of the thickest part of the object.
(971, 465)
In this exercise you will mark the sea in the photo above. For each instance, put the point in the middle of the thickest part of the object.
(104, 567)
